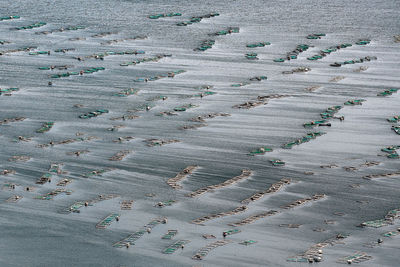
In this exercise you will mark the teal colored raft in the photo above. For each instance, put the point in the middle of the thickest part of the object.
(170, 234)
(107, 221)
(354, 102)
(314, 36)
(330, 112)
(293, 54)
(93, 114)
(251, 56)
(9, 18)
(127, 92)
(82, 72)
(229, 30)
(240, 84)
(354, 61)
(8, 91)
(302, 140)
(205, 45)
(36, 53)
(45, 127)
(323, 53)
(185, 107)
(165, 15)
(31, 26)
(363, 42)
(260, 44)
(388, 92)
(391, 151)
(277, 162)
(316, 123)
(396, 129)
(52, 194)
(175, 246)
(260, 151)
(394, 119)
(231, 232)
(197, 19)
(326, 116)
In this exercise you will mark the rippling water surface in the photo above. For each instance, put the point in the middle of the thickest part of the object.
(37, 233)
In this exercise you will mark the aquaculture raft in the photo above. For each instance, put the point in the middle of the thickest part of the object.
(31, 26)
(272, 189)
(98, 172)
(126, 242)
(197, 19)
(52, 194)
(14, 199)
(248, 242)
(387, 220)
(304, 139)
(355, 258)
(8, 91)
(244, 175)
(323, 53)
(107, 221)
(277, 162)
(254, 218)
(313, 253)
(160, 142)
(44, 178)
(396, 129)
(126, 204)
(203, 219)
(260, 44)
(315, 35)
(354, 102)
(173, 182)
(170, 234)
(81, 72)
(302, 201)
(163, 15)
(353, 61)
(93, 114)
(363, 42)
(45, 127)
(203, 252)
(394, 119)
(162, 204)
(9, 17)
(388, 92)
(175, 246)
(127, 92)
(391, 151)
(231, 232)
(77, 205)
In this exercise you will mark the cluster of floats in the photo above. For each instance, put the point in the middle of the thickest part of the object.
(207, 44)
(354, 61)
(197, 19)
(165, 15)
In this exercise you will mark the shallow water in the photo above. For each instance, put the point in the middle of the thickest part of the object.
(35, 232)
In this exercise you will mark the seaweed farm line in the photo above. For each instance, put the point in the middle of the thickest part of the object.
(182, 133)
